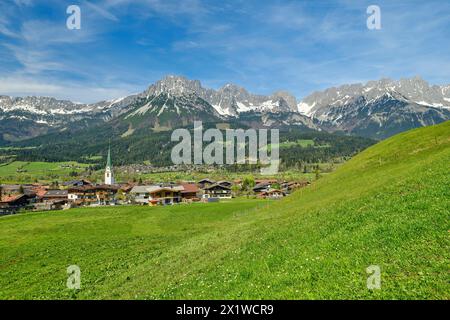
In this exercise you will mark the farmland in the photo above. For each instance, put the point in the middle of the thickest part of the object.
(26, 172)
(388, 206)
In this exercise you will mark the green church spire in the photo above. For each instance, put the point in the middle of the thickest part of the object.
(108, 161)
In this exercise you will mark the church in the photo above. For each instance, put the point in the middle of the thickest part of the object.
(109, 175)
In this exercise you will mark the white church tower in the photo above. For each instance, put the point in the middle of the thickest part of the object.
(109, 175)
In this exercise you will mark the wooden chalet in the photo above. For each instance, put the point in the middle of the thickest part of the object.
(157, 194)
(77, 183)
(205, 183)
(55, 195)
(217, 191)
(190, 191)
(93, 195)
(291, 186)
(272, 194)
(225, 183)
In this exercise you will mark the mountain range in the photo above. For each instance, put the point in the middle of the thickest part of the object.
(377, 109)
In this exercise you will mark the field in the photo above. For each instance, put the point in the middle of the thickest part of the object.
(47, 172)
(288, 175)
(388, 206)
(26, 172)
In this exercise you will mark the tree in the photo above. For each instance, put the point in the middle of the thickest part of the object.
(235, 189)
(317, 172)
(73, 174)
(248, 183)
(121, 195)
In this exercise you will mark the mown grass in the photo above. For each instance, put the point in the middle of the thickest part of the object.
(26, 172)
(388, 206)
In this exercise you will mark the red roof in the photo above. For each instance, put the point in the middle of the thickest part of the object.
(6, 199)
(189, 188)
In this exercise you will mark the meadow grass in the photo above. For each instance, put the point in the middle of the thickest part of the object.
(26, 172)
(388, 206)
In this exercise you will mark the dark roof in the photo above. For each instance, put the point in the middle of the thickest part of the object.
(224, 182)
(94, 188)
(56, 193)
(273, 191)
(76, 182)
(206, 180)
(106, 187)
(81, 188)
(217, 186)
(261, 185)
(268, 181)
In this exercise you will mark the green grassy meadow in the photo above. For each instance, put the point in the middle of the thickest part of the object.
(48, 172)
(26, 172)
(388, 206)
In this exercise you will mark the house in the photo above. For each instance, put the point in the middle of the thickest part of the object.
(81, 196)
(106, 194)
(55, 195)
(267, 181)
(38, 190)
(53, 200)
(157, 194)
(11, 189)
(261, 187)
(190, 191)
(205, 183)
(225, 183)
(30, 195)
(77, 183)
(272, 194)
(126, 187)
(291, 186)
(165, 194)
(140, 194)
(93, 195)
(11, 204)
(217, 191)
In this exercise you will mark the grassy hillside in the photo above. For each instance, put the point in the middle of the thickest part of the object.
(388, 206)
(26, 172)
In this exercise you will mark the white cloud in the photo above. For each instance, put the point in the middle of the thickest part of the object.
(17, 85)
(101, 11)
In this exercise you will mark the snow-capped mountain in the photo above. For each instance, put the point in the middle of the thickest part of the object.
(378, 108)
(179, 101)
(230, 100)
(27, 117)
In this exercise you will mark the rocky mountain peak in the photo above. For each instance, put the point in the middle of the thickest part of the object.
(175, 85)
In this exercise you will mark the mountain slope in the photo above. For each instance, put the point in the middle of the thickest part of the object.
(169, 103)
(378, 109)
(388, 206)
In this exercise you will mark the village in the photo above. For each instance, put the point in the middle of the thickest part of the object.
(16, 198)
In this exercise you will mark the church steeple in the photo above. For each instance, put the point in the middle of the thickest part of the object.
(109, 175)
(108, 161)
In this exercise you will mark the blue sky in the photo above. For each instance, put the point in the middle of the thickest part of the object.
(300, 46)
